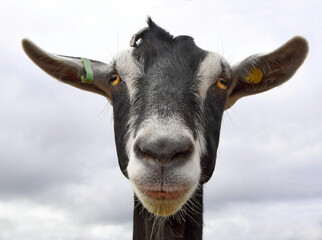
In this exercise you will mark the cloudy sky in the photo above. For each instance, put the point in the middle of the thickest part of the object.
(59, 176)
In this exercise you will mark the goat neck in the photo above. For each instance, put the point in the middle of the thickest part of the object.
(147, 226)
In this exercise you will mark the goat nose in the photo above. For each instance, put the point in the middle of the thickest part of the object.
(163, 149)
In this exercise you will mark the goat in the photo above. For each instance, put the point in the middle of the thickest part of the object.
(168, 98)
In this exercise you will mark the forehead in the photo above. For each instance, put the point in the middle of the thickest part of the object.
(160, 53)
(179, 53)
(196, 70)
(159, 49)
(160, 58)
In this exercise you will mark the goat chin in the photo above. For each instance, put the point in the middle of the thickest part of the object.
(164, 207)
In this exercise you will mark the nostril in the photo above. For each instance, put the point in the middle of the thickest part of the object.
(163, 149)
(144, 153)
(183, 154)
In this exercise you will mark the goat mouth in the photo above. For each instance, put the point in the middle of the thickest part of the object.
(163, 195)
(165, 201)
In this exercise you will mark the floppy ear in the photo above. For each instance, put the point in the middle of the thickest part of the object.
(71, 69)
(260, 73)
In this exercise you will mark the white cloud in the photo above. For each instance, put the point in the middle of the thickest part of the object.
(27, 220)
(282, 220)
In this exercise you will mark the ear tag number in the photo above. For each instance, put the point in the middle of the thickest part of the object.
(89, 71)
(255, 76)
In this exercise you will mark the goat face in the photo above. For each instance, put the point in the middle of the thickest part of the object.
(171, 101)
(168, 97)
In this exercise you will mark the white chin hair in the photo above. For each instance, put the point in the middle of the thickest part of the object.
(163, 207)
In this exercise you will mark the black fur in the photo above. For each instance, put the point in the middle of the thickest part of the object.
(170, 66)
(121, 109)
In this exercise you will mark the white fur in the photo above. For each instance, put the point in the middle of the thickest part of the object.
(209, 70)
(128, 69)
(185, 175)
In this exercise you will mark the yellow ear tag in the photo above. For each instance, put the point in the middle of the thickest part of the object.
(255, 76)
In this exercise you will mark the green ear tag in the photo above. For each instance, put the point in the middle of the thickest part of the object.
(255, 76)
(89, 71)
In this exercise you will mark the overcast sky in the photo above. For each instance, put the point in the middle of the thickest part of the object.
(59, 176)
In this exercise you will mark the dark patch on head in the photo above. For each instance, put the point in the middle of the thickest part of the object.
(213, 111)
(170, 65)
(121, 109)
(154, 41)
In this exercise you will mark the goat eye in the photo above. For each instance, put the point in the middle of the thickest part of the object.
(222, 83)
(114, 80)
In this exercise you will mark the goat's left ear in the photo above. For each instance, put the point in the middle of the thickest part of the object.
(260, 73)
(86, 75)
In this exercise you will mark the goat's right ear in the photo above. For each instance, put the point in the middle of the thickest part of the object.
(70, 69)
